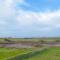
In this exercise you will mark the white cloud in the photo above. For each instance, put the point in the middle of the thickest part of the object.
(49, 20)
(38, 21)
(7, 11)
(6, 8)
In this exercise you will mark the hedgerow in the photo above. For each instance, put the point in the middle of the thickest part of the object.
(28, 55)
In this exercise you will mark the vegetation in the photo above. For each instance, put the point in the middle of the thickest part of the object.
(30, 39)
(50, 54)
(9, 52)
(28, 55)
(25, 53)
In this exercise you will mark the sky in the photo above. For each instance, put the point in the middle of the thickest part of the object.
(29, 18)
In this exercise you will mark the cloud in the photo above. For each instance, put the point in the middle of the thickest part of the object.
(15, 21)
(7, 17)
(6, 8)
(38, 23)
(7, 11)
(46, 19)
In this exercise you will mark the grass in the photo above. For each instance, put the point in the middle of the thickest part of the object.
(50, 54)
(9, 52)
(32, 39)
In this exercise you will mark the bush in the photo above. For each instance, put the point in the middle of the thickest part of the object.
(42, 41)
(6, 39)
(57, 40)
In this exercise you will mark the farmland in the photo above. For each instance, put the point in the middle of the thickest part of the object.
(32, 39)
(24, 48)
(50, 54)
(11, 52)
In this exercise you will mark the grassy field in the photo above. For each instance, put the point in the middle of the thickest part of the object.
(50, 54)
(31, 39)
(9, 52)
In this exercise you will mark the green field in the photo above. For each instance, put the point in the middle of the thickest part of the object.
(11, 52)
(31, 39)
(50, 54)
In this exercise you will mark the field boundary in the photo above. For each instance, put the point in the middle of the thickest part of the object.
(28, 55)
